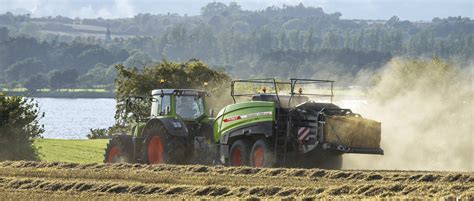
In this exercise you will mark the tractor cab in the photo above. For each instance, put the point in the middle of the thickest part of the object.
(186, 104)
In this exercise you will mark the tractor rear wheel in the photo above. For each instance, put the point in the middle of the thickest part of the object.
(262, 154)
(119, 149)
(239, 154)
(161, 147)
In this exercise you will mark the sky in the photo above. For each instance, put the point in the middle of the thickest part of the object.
(413, 10)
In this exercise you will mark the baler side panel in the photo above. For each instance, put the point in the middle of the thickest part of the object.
(240, 114)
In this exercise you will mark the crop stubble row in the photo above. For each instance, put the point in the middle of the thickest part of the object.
(228, 182)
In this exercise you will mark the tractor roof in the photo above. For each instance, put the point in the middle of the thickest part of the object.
(189, 92)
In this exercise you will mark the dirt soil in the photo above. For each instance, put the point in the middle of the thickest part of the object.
(36, 180)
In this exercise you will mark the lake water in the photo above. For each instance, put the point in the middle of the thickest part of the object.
(67, 118)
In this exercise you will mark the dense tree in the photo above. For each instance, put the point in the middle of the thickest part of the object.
(19, 126)
(22, 70)
(63, 78)
(213, 9)
(3, 34)
(21, 58)
(36, 82)
(101, 74)
(190, 74)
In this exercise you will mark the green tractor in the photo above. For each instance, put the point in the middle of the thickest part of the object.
(177, 118)
(269, 130)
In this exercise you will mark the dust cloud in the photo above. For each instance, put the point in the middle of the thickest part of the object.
(426, 109)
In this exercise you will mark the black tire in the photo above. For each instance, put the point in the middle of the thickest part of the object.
(174, 148)
(239, 154)
(262, 154)
(119, 149)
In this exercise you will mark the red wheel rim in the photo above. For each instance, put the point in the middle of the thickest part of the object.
(237, 157)
(113, 155)
(155, 150)
(258, 157)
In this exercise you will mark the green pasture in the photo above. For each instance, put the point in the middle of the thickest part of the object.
(76, 151)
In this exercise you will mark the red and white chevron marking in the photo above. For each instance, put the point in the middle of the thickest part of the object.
(303, 133)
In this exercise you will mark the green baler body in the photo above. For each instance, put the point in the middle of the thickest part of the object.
(240, 114)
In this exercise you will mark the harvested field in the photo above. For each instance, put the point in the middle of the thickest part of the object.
(37, 180)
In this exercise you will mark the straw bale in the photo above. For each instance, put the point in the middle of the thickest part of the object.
(352, 131)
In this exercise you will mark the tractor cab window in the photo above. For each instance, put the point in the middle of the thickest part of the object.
(189, 107)
(160, 104)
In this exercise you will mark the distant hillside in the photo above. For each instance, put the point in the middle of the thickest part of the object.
(278, 41)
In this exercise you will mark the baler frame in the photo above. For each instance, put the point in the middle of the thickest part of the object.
(294, 81)
(283, 126)
(256, 81)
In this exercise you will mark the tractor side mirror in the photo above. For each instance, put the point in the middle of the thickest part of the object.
(211, 112)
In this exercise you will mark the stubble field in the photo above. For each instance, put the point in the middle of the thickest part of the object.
(38, 180)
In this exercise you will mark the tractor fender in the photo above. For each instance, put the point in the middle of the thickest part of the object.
(174, 126)
(260, 128)
(122, 136)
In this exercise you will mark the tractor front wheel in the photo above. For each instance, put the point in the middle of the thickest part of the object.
(262, 154)
(119, 149)
(239, 154)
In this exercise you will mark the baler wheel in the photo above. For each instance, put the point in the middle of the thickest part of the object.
(262, 154)
(239, 154)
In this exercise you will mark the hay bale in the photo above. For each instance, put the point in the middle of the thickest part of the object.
(352, 131)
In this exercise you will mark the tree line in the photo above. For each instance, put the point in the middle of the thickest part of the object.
(38, 64)
(288, 41)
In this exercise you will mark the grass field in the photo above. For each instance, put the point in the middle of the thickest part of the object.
(75, 151)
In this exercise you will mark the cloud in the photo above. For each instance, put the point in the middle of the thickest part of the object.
(29, 5)
(83, 9)
(363, 9)
(124, 8)
(116, 9)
